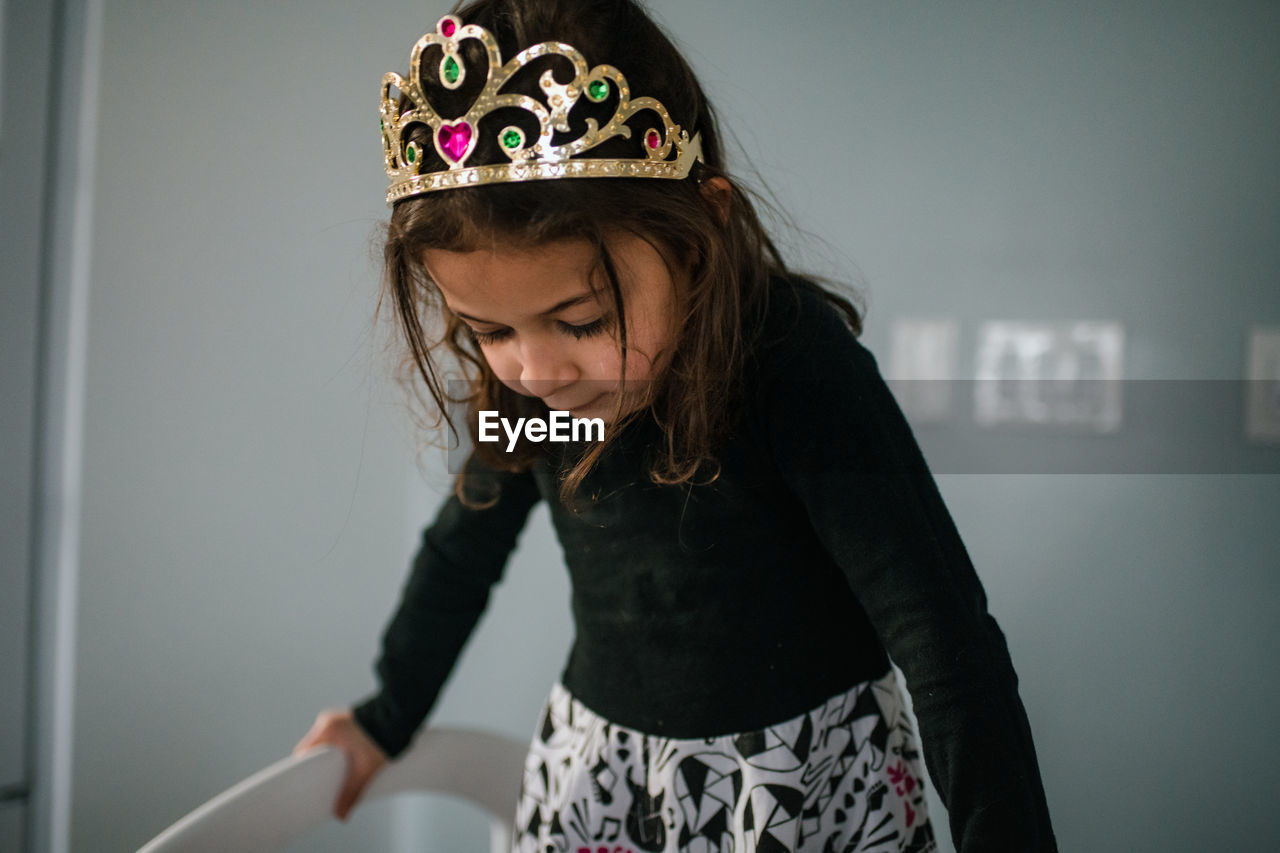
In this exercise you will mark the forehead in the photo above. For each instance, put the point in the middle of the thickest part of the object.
(517, 280)
(506, 283)
(509, 263)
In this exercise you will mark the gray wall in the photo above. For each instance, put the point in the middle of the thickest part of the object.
(250, 492)
(23, 140)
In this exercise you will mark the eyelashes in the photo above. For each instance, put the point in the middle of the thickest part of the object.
(489, 337)
(587, 330)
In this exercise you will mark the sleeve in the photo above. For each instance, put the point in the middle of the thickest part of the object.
(844, 447)
(462, 555)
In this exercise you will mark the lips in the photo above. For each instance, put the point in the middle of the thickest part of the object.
(577, 407)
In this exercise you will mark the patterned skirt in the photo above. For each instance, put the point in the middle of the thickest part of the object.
(844, 777)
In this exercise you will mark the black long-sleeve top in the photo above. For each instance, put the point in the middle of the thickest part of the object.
(822, 549)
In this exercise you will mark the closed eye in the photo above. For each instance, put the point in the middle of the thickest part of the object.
(586, 330)
(489, 337)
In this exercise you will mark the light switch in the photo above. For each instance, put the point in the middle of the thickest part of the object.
(922, 366)
(1062, 374)
(1262, 398)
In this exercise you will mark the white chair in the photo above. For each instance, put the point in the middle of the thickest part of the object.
(279, 803)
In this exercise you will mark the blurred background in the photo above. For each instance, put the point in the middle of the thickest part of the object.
(211, 484)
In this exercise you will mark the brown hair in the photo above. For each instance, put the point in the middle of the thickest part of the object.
(697, 396)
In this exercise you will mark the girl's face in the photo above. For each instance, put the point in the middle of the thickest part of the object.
(544, 333)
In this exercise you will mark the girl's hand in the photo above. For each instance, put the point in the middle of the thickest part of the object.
(337, 727)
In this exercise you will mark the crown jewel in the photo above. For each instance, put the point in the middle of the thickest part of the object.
(669, 152)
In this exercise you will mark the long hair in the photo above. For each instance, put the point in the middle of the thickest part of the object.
(697, 395)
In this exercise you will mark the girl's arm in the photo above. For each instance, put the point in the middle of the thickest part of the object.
(463, 554)
(843, 445)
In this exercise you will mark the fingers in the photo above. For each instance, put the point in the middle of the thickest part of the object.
(308, 741)
(364, 758)
(361, 767)
(320, 733)
(303, 745)
(350, 793)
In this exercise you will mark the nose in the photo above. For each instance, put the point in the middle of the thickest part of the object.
(545, 368)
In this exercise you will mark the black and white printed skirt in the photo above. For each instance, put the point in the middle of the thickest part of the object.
(844, 777)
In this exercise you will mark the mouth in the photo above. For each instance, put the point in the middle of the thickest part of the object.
(576, 408)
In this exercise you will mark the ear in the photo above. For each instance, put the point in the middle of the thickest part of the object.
(719, 194)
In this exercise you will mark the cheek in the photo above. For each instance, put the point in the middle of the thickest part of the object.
(595, 359)
(648, 334)
(643, 348)
(502, 362)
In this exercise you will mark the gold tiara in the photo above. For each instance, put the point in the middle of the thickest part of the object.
(668, 153)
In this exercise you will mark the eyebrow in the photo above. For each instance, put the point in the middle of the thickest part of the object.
(586, 296)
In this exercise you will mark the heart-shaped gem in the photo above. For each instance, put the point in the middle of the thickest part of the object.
(455, 140)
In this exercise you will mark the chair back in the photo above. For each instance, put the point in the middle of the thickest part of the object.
(279, 803)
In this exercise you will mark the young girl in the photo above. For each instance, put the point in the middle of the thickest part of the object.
(755, 535)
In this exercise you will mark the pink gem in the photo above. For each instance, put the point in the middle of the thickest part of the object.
(455, 139)
(652, 139)
(448, 28)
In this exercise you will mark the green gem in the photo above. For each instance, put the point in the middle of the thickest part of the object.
(511, 139)
(383, 122)
(450, 70)
(598, 90)
(410, 154)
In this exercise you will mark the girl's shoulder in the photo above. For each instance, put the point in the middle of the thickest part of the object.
(818, 400)
(807, 329)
